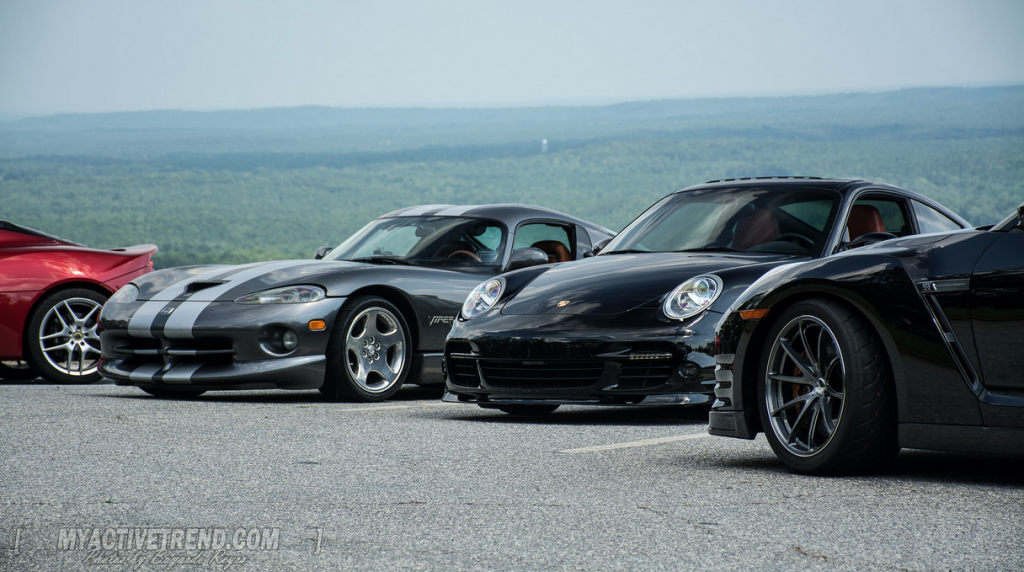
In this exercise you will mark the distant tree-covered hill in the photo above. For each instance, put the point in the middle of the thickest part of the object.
(249, 185)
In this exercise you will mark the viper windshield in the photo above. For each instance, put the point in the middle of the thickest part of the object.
(781, 221)
(425, 240)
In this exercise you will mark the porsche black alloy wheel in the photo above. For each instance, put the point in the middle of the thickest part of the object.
(62, 338)
(369, 353)
(825, 392)
(17, 370)
(527, 409)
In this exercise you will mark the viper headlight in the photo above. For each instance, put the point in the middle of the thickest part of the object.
(127, 293)
(692, 297)
(481, 298)
(285, 295)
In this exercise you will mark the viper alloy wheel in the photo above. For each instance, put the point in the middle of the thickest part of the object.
(63, 342)
(369, 354)
(825, 391)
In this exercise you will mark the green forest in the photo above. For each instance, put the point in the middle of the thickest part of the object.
(241, 186)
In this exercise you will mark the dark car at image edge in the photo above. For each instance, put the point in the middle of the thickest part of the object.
(911, 343)
(51, 291)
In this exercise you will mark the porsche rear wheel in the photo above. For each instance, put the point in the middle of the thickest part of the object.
(62, 338)
(369, 353)
(825, 392)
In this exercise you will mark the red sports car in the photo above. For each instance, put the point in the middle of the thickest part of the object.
(51, 292)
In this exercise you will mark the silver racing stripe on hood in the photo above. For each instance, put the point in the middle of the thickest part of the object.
(179, 324)
(142, 321)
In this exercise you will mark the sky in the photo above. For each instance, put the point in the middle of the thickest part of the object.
(78, 56)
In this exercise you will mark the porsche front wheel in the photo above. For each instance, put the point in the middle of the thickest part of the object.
(369, 353)
(825, 392)
(63, 342)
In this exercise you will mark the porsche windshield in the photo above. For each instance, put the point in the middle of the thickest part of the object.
(425, 240)
(748, 219)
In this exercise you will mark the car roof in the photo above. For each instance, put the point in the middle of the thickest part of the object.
(840, 185)
(509, 213)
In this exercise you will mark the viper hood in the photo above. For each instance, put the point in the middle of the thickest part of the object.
(230, 282)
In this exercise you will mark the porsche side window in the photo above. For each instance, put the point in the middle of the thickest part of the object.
(555, 240)
(876, 215)
(931, 220)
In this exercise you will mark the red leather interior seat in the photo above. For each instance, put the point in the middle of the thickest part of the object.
(864, 219)
(556, 251)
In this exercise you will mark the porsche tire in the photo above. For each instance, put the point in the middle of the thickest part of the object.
(62, 340)
(825, 391)
(369, 354)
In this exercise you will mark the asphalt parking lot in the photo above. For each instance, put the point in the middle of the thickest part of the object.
(107, 478)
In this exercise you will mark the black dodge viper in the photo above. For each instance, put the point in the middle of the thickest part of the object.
(356, 324)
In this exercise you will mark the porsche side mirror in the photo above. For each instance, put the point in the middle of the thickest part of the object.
(866, 239)
(322, 252)
(597, 248)
(525, 258)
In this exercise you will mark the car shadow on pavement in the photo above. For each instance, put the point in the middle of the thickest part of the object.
(406, 394)
(910, 465)
(596, 415)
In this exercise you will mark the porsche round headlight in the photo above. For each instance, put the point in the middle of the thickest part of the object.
(692, 297)
(127, 293)
(286, 295)
(481, 298)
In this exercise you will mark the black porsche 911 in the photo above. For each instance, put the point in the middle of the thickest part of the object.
(357, 323)
(635, 324)
(915, 343)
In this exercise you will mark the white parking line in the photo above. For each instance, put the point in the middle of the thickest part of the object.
(644, 443)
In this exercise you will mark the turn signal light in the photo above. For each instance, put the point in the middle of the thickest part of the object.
(317, 325)
(754, 314)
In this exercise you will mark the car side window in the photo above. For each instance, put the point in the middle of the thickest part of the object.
(877, 214)
(931, 220)
(554, 239)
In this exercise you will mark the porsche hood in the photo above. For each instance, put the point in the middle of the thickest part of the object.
(613, 284)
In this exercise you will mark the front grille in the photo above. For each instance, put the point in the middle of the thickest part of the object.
(176, 351)
(644, 374)
(560, 374)
(462, 371)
